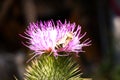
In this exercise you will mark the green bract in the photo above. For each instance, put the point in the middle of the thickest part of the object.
(50, 68)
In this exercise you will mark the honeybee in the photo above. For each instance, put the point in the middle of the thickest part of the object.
(64, 40)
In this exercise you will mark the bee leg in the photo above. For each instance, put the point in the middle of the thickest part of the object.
(58, 46)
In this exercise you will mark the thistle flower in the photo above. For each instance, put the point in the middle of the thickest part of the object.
(54, 38)
(57, 39)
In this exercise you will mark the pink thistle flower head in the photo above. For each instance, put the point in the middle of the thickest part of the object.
(49, 37)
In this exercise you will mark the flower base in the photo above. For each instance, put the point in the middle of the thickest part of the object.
(50, 68)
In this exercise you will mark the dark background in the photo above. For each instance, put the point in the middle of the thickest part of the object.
(97, 17)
